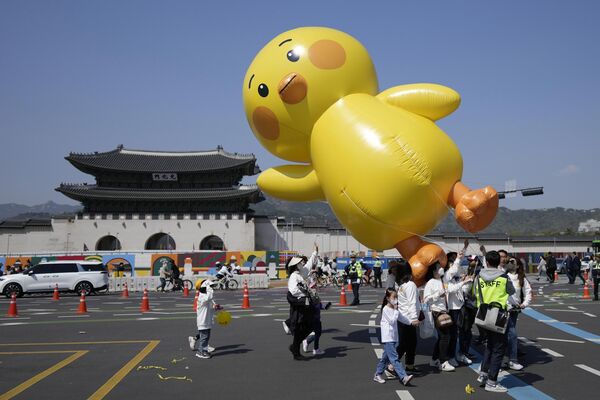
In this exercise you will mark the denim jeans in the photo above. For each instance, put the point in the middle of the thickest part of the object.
(203, 336)
(390, 356)
(317, 329)
(511, 336)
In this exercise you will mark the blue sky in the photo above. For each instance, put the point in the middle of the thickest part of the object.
(89, 75)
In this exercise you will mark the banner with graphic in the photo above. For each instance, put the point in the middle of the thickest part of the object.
(120, 265)
(158, 260)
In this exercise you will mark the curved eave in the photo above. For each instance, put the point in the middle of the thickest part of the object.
(89, 192)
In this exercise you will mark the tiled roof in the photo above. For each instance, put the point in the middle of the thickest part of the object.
(88, 192)
(23, 223)
(122, 159)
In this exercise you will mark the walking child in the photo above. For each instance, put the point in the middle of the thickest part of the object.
(204, 319)
(389, 339)
(315, 335)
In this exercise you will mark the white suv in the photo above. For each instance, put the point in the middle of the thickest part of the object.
(72, 276)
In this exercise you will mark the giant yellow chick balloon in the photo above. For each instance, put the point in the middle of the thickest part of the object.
(389, 173)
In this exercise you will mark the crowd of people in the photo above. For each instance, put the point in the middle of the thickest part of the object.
(456, 297)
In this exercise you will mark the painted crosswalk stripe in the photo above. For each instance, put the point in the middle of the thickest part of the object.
(552, 352)
(589, 315)
(525, 340)
(374, 341)
(378, 353)
(588, 369)
(572, 308)
(404, 395)
(561, 340)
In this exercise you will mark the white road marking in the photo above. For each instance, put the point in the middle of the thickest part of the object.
(404, 395)
(370, 324)
(589, 315)
(13, 318)
(126, 315)
(374, 341)
(588, 369)
(561, 340)
(557, 309)
(572, 308)
(146, 319)
(378, 353)
(548, 320)
(373, 316)
(261, 315)
(73, 316)
(279, 320)
(552, 353)
(13, 323)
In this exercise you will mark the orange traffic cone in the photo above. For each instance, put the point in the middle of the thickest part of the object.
(145, 303)
(586, 290)
(246, 301)
(125, 293)
(12, 308)
(55, 295)
(585, 275)
(196, 300)
(186, 291)
(555, 276)
(349, 287)
(343, 301)
(82, 306)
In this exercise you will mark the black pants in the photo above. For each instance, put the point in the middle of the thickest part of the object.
(494, 352)
(377, 277)
(579, 274)
(596, 284)
(408, 343)
(550, 273)
(465, 334)
(453, 330)
(355, 287)
(440, 350)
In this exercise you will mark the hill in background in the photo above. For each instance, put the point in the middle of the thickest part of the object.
(549, 221)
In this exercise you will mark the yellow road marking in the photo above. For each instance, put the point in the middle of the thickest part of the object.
(32, 381)
(38, 352)
(122, 373)
(74, 343)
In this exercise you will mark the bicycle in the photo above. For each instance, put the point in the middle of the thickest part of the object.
(178, 285)
(226, 283)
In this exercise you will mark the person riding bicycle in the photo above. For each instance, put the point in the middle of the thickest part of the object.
(175, 273)
(223, 271)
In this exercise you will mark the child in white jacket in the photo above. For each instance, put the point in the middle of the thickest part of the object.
(389, 339)
(204, 320)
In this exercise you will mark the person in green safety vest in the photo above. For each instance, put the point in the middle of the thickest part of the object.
(495, 287)
(377, 272)
(354, 272)
(595, 268)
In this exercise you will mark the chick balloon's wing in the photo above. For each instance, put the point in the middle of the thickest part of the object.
(291, 182)
(426, 99)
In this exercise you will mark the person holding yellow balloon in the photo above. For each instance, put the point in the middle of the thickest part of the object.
(204, 318)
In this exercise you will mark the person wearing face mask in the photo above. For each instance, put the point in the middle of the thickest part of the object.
(455, 280)
(409, 307)
(435, 295)
(517, 302)
(468, 312)
(301, 312)
(204, 319)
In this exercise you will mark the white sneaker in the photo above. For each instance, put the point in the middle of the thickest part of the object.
(210, 349)
(286, 328)
(464, 359)
(318, 352)
(434, 363)
(406, 379)
(515, 366)
(447, 367)
(378, 379)
(305, 346)
(453, 362)
(193, 343)
(495, 387)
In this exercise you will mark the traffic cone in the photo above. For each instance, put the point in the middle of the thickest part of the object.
(55, 295)
(555, 276)
(246, 301)
(586, 290)
(349, 287)
(186, 291)
(125, 293)
(343, 301)
(82, 306)
(145, 303)
(585, 275)
(12, 308)
(196, 300)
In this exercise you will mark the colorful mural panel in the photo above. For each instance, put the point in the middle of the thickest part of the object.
(158, 260)
(253, 261)
(120, 265)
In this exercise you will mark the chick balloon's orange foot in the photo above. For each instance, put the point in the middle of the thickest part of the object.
(421, 255)
(477, 209)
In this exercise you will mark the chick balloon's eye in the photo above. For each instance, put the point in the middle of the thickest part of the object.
(293, 56)
(263, 90)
